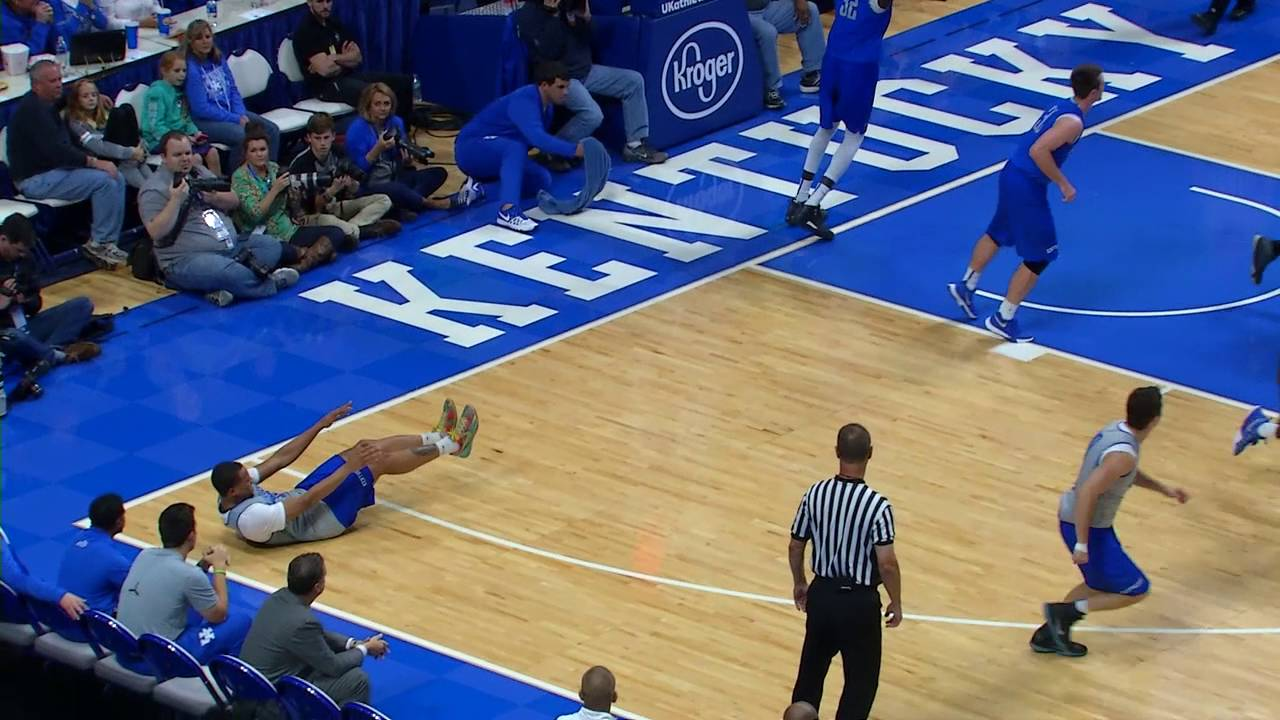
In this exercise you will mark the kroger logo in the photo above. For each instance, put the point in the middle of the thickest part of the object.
(702, 70)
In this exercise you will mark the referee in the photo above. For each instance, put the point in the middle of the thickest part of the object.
(851, 527)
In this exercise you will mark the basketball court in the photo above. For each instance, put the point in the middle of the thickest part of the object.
(660, 379)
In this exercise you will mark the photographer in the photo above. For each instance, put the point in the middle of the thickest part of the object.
(327, 183)
(196, 246)
(378, 144)
(29, 334)
(267, 202)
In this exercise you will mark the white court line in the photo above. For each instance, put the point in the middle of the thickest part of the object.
(769, 599)
(391, 632)
(1236, 199)
(1179, 312)
(1190, 154)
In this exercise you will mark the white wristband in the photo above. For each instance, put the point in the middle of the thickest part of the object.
(351, 642)
(363, 650)
(1082, 547)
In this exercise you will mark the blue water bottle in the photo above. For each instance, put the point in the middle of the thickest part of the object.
(211, 9)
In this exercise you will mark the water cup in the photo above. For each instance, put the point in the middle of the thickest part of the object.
(15, 59)
(162, 20)
(131, 35)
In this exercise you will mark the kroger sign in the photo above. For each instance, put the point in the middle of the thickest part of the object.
(702, 70)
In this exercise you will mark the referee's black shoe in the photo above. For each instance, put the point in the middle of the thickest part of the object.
(814, 219)
(1042, 642)
(1059, 617)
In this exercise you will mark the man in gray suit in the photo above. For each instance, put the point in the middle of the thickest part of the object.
(287, 639)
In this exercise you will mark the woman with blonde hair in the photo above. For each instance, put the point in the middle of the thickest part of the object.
(376, 144)
(106, 132)
(215, 102)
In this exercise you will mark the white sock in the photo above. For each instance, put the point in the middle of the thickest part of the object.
(1267, 430)
(1007, 310)
(1082, 606)
(446, 445)
(971, 279)
(802, 192)
(817, 150)
(819, 192)
(633, 144)
(430, 438)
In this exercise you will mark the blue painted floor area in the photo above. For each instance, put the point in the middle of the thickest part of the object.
(1137, 239)
(183, 385)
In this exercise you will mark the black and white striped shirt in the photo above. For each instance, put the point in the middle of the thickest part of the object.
(845, 519)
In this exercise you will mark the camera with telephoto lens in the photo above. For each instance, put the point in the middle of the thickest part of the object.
(417, 152)
(245, 257)
(197, 184)
(313, 182)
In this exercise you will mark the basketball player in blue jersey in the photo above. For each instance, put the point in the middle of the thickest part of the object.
(325, 504)
(1111, 580)
(1022, 219)
(850, 71)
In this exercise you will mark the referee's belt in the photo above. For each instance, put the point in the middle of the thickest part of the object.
(844, 584)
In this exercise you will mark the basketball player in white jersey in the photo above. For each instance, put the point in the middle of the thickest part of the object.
(1111, 580)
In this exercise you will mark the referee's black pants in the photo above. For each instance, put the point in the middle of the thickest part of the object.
(844, 618)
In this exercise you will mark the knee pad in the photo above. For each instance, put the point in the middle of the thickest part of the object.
(1036, 267)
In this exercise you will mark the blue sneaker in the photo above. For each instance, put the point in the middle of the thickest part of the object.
(1249, 434)
(1007, 329)
(964, 298)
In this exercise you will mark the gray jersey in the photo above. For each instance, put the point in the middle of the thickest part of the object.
(1116, 437)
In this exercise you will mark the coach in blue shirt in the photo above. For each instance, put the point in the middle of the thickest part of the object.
(93, 567)
(495, 144)
(15, 575)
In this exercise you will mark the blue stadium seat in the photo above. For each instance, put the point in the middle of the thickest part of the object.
(304, 701)
(58, 645)
(184, 685)
(109, 635)
(241, 682)
(359, 711)
(17, 624)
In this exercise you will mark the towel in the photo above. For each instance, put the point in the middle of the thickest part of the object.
(595, 165)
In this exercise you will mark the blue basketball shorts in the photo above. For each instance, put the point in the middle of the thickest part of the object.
(847, 93)
(1109, 568)
(1022, 220)
(353, 495)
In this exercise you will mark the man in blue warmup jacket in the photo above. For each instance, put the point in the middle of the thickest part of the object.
(15, 574)
(495, 144)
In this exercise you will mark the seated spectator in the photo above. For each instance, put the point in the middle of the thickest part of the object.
(28, 333)
(93, 566)
(196, 246)
(336, 204)
(37, 24)
(800, 711)
(121, 12)
(374, 144)
(329, 58)
(266, 204)
(46, 165)
(106, 132)
(561, 33)
(598, 694)
(495, 144)
(770, 17)
(165, 110)
(287, 638)
(165, 595)
(15, 574)
(216, 105)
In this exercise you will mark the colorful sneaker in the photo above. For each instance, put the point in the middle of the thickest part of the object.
(448, 418)
(964, 298)
(1007, 329)
(1249, 434)
(464, 433)
(514, 220)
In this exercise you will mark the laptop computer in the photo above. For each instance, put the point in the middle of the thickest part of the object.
(98, 47)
